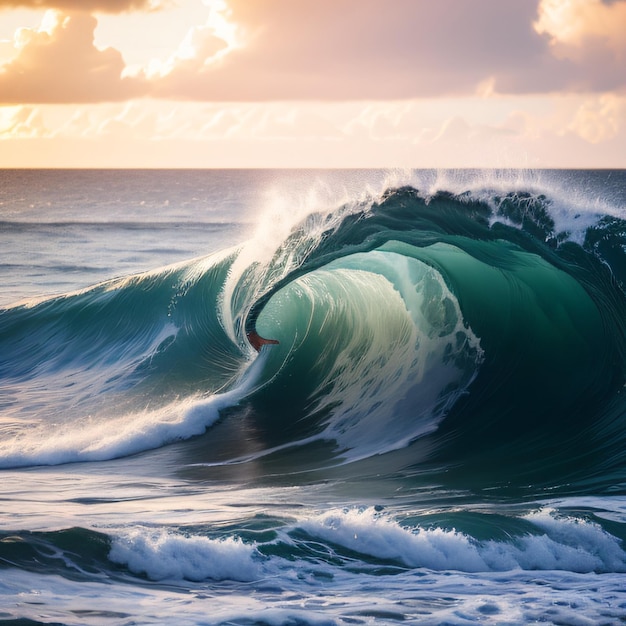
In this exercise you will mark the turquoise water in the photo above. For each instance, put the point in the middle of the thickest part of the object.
(436, 438)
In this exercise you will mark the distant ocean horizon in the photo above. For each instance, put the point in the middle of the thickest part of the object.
(433, 433)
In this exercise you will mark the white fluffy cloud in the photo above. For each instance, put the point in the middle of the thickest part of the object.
(332, 50)
(361, 49)
(371, 49)
(589, 38)
(574, 25)
(58, 62)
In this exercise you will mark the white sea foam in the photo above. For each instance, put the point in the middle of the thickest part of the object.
(125, 434)
(98, 440)
(163, 555)
(560, 544)
(430, 600)
(572, 205)
(557, 544)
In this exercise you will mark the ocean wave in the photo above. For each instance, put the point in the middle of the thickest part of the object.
(333, 543)
(551, 542)
(161, 555)
(337, 565)
(491, 320)
(369, 540)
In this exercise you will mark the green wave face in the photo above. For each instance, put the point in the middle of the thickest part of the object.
(369, 333)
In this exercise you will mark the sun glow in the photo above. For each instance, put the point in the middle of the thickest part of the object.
(219, 21)
(204, 45)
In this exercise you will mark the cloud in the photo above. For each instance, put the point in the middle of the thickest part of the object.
(376, 50)
(203, 45)
(589, 37)
(600, 119)
(546, 131)
(131, 122)
(104, 6)
(331, 50)
(24, 122)
(365, 49)
(58, 62)
(392, 120)
(574, 25)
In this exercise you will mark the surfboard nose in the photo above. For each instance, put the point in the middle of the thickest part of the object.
(256, 341)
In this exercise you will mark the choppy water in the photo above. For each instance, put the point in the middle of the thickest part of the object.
(437, 438)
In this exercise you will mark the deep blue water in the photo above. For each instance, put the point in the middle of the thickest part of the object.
(437, 437)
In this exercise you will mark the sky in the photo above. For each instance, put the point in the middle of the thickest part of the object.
(313, 83)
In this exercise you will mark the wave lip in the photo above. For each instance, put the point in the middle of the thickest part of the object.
(369, 539)
(556, 543)
(162, 555)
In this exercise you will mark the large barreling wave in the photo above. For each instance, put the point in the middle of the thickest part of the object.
(483, 316)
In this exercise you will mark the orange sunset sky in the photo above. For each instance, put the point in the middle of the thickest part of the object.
(313, 83)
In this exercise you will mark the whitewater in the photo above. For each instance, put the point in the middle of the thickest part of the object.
(434, 435)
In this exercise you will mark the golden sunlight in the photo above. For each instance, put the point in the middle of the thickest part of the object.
(203, 45)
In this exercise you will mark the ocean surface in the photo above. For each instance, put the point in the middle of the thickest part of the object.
(438, 437)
